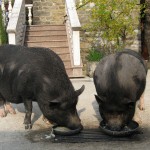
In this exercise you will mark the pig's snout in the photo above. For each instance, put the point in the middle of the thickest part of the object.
(115, 122)
(114, 127)
(75, 126)
(74, 122)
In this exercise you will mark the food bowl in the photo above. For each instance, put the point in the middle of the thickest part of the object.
(130, 129)
(59, 130)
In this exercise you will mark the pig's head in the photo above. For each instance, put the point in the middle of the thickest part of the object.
(116, 114)
(63, 112)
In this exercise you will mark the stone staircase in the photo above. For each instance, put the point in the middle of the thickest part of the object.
(55, 38)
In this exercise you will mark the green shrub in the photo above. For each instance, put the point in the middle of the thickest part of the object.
(112, 22)
(94, 55)
(3, 33)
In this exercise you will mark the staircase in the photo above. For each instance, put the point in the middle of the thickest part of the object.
(55, 38)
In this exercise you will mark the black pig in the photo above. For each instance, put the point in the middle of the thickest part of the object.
(120, 81)
(38, 74)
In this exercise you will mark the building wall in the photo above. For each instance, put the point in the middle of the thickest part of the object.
(48, 12)
(29, 1)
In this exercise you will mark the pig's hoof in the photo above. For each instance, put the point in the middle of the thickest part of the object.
(2, 112)
(9, 108)
(141, 107)
(137, 119)
(28, 126)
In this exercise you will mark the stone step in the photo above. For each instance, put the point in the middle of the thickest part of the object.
(69, 72)
(60, 50)
(46, 43)
(53, 37)
(67, 64)
(46, 27)
(45, 37)
(57, 49)
(64, 56)
(45, 33)
(75, 72)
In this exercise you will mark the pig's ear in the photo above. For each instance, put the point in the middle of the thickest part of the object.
(78, 92)
(99, 99)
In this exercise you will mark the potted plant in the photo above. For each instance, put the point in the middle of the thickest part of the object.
(93, 57)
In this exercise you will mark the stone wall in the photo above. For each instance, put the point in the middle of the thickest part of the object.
(85, 38)
(28, 1)
(48, 12)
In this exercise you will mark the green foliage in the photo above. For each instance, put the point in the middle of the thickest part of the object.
(3, 33)
(94, 55)
(13, 2)
(113, 21)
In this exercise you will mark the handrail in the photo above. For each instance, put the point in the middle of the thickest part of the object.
(72, 14)
(73, 27)
(16, 24)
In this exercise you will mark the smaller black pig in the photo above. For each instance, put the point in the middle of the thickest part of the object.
(119, 81)
(38, 74)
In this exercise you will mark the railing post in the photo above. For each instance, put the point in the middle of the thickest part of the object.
(76, 47)
(29, 7)
(9, 9)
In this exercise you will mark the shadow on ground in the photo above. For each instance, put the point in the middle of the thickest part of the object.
(36, 111)
(87, 135)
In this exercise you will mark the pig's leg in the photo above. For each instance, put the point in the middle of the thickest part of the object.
(28, 113)
(48, 122)
(137, 116)
(141, 105)
(2, 109)
(9, 108)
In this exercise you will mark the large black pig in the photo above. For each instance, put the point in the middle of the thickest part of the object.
(120, 81)
(38, 74)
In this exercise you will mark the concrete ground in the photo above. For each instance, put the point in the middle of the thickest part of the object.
(13, 135)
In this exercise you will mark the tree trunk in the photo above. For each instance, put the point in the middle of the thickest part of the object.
(145, 30)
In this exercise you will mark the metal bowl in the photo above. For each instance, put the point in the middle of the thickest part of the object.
(130, 129)
(58, 130)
